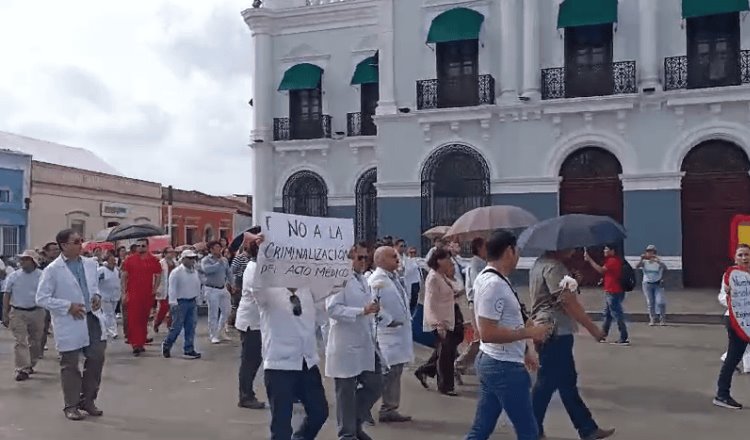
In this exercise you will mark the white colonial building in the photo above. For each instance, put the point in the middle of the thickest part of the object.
(403, 114)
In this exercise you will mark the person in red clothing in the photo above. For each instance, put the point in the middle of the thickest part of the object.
(141, 274)
(614, 294)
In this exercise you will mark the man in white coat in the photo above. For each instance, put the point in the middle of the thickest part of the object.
(393, 330)
(351, 357)
(69, 289)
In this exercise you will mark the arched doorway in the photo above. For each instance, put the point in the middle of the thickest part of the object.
(591, 185)
(305, 193)
(455, 179)
(715, 187)
(367, 207)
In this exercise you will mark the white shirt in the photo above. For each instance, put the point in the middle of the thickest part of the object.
(109, 283)
(184, 283)
(411, 271)
(248, 314)
(288, 340)
(494, 299)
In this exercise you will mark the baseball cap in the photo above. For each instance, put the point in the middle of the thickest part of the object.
(188, 253)
(651, 247)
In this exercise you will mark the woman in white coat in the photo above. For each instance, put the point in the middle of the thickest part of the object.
(69, 289)
(110, 289)
(394, 335)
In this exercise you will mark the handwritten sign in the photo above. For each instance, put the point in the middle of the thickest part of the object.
(301, 251)
(739, 302)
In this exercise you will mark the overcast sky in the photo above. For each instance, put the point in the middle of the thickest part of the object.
(157, 88)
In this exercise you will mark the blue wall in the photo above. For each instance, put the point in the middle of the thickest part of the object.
(542, 205)
(14, 213)
(341, 211)
(401, 217)
(653, 217)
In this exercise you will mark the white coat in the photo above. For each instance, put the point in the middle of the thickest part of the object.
(395, 343)
(351, 343)
(162, 292)
(58, 289)
(109, 284)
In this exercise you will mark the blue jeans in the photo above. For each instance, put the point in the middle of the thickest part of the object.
(184, 316)
(613, 310)
(558, 373)
(503, 386)
(654, 293)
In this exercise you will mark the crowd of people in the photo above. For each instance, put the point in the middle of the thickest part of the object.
(366, 328)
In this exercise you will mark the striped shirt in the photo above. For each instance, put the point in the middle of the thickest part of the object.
(239, 263)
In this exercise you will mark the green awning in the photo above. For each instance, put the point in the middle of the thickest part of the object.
(366, 72)
(575, 13)
(701, 8)
(454, 25)
(301, 77)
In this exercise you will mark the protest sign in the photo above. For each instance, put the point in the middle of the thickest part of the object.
(300, 251)
(738, 301)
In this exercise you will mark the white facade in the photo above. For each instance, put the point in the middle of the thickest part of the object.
(523, 139)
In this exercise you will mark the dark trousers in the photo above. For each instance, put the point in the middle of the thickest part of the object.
(355, 397)
(442, 360)
(77, 388)
(558, 373)
(45, 333)
(250, 363)
(414, 299)
(735, 350)
(283, 388)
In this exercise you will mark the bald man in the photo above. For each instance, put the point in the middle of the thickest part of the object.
(393, 330)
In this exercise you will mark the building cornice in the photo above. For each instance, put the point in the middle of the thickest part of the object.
(339, 15)
(525, 185)
(398, 189)
(651, 181)
(303, 146)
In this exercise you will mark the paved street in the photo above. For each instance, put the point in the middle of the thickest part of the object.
(661, 387)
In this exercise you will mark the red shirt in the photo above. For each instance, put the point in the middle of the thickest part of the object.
(612, 274)
(141, 271)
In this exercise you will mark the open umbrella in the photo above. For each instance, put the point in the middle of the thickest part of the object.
(569, 232)
(240, 238)
(481, 222)
(436, 232)
(128, 232)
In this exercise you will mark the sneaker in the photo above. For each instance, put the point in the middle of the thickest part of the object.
(727, 402)
(600, 434)
(663, 321)
(165, 352)
(394, 417)
(252, 404)
(192, 355)
(21, 376)
(651, 322)
(622, 343)
(215, 340)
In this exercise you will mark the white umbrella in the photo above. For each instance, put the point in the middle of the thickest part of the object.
(481, 222)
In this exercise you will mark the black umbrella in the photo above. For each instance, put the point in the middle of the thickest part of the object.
(237, 241)
(129, 232)
(569, 232)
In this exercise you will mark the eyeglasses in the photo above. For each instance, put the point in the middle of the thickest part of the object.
(296, 304)
(362, 258)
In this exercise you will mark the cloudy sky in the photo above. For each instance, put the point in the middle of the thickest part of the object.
(158, 88)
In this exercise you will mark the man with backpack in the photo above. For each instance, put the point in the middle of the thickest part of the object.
(619, 278)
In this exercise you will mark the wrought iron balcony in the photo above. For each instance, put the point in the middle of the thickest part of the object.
(676, 74)
(286, 130)
(598, 80)
(455, 92)
(360, 124)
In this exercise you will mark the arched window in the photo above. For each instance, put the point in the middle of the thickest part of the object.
(305, 193)
(367, 206)
(455, 179)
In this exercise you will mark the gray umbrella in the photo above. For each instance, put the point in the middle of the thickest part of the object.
(128, 232)
(569, 232)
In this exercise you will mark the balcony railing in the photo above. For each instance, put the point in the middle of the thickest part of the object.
(284, 130)
(360, 124)
(600, 80)
(676, 74)
(456, 92)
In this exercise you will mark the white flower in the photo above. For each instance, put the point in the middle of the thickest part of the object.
(569, 283)
(378, 284)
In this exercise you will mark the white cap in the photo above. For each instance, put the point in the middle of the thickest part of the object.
(188, 253)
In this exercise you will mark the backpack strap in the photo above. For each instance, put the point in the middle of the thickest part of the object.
(524, 313)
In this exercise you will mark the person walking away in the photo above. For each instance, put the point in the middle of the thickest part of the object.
(737, 342)
(614, 293)
(70, 291)
(504, 382)
(555, 302)
(141, 275)
(184, 288)
(653, 285)
(476, 265)
(51, 252)
(217, 284)
(442, 316)
(351, 353)
(394, 336)
(168, 264)
(22, 316)
(746, 356)
(110, 288)
(412, 278)
(291, 370)
(247, 323)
